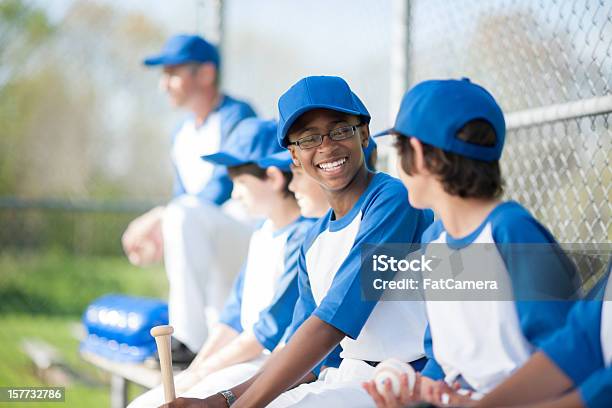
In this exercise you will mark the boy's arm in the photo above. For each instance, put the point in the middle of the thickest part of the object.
(286, 368)
(308, 346)
(538, 380)
(220, 336)
(239, 349)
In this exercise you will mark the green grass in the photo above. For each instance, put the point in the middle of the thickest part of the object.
(43, 295)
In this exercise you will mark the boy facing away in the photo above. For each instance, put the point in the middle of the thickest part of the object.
(449, 138)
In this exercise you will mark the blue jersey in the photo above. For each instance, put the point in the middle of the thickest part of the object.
(329, 275)
(193, 175)
(265, 291)
(483, 342)
(583, 349)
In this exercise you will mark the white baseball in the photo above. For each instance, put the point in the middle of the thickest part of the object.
(391, 369)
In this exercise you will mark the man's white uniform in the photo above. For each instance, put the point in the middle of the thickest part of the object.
(198, 228)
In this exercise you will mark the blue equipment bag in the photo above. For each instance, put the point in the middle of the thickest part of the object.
(118, 326)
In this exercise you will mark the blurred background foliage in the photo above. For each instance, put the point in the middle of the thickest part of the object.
(70, 92)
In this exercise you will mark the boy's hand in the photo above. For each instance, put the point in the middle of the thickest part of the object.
(388, 399)
(432, 391)
(143, 240)
(440, 393)
(459, 398)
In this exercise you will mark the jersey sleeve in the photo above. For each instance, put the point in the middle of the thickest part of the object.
(219, 188)
(231, 313)
(539, 270)
(305, 304)
(387, 219)
(276, 318)
(432, 369)
(597, 389)
(576, 348)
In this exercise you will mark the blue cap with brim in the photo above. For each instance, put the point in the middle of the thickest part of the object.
(251, 140)
(317, 92)
(283, 159)
(434, 111)
(184, 48)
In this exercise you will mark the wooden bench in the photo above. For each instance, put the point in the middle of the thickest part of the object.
(123, 373)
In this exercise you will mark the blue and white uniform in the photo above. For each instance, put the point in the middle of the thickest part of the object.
(329, 284)
(583, 349)
(262, 301)
(196, 230)
(481, 343)
(190, 142)
(265, 291)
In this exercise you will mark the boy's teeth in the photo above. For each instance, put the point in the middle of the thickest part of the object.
(332, 165)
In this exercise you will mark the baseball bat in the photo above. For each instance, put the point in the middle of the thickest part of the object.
(162, 339)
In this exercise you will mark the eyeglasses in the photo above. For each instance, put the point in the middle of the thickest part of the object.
(311, 141)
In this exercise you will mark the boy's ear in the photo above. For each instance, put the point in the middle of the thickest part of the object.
(419, 158)
(365, 135)
(276, 177)
(296, 160)
(207, 74)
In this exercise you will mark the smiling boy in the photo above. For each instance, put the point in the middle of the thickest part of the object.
(325, 125)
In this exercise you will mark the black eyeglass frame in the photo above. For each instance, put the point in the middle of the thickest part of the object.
(331, 135)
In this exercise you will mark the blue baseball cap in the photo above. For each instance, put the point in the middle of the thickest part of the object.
(283, 159)
(317, 92)
(434, 111)
(251, 140)
(184, 48)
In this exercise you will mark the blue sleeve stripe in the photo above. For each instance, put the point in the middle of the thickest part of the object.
(273, 321)
(576, 348)
(231, 313)
(596, 391)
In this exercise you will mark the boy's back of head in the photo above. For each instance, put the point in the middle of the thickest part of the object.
(462, 130)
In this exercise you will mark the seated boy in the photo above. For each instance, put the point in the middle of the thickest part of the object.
(449, 137)
(260, 307)
(573, 367)
(325, 126)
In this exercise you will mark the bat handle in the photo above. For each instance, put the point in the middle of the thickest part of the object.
(162, 339)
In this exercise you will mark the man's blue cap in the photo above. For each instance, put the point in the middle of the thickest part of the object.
(317, 92)
(184, 48)
(251, 140)
(283, 159)
(434, 111)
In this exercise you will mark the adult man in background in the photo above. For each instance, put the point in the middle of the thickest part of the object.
(199, 236)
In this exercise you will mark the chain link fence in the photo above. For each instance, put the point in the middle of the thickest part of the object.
(536, 57)
(549, 64)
